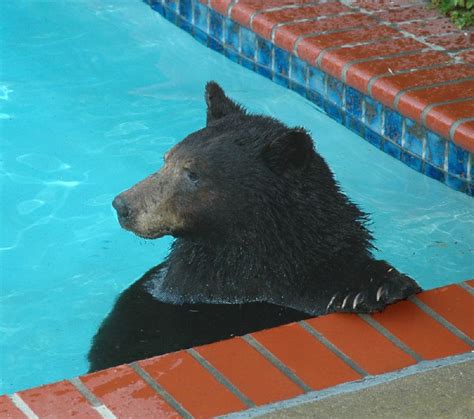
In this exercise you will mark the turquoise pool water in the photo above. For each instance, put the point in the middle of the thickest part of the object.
(92, 93)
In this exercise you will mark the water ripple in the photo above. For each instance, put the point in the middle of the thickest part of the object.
(5, 92)
(43, 162)
(27, 207)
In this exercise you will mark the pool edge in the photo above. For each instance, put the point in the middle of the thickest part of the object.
(387, 129)
(226, 377)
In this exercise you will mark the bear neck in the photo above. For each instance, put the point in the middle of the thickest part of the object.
(296, 267)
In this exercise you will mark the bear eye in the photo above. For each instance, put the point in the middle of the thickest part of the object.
(192, 176)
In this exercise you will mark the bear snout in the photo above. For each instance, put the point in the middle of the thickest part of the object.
(122, 208)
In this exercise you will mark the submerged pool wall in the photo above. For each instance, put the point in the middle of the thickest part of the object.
(446, 158)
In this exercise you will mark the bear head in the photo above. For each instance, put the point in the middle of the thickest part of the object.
(220, 179)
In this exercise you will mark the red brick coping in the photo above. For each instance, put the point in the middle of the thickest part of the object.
(267, 366)
(399, 52)
(396, 73)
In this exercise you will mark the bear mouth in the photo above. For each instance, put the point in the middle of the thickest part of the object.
(152, 235)
(129, 225)
(148, 236)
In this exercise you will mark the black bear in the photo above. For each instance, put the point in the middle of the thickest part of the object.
(263, 236)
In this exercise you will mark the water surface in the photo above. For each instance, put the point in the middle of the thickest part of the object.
(92, 93)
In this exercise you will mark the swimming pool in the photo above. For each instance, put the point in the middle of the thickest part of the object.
(92, 94)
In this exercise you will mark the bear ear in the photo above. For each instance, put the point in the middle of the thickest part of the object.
(218, 104)
(293, 150)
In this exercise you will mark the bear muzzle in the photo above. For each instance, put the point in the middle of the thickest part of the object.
(124, 212)
(122, 208)
(141, 223)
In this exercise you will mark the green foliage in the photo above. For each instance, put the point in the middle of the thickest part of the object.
(461, 12)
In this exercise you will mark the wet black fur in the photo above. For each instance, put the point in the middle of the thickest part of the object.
(281, 243)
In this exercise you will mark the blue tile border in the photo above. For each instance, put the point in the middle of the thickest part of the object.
(414, 137)
(393, 126)
(383, 127)
(435, 149)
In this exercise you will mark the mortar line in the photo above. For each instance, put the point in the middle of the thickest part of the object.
(404, 131)
(160, 390)
(232, 4)
(425, 39)
(23, 406)
(220, 377)
(416, 88)
(445, 161)
(423, 20)
(327, 32)
(455, 126)
(96, 404)
(103, 410)
(441, 320)
(469, 166)
(279, 8)
(424, 139)
(390, 336)
(376, 16)
(303, 20)
(349, 64)
(333, 348)
(376, 78)
(419, 39)
(428, 108)
(361, 9)
(466, 287)
(276, 362)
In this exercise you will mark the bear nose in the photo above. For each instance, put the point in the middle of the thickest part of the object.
(121, 207)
